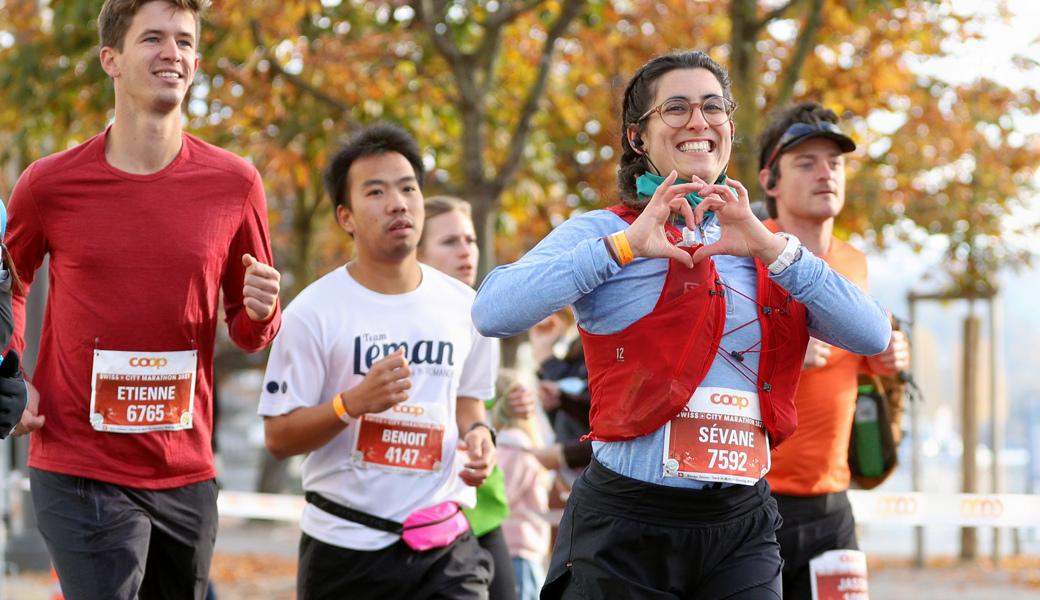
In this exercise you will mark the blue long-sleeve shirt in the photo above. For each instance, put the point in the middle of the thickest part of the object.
(571, 266)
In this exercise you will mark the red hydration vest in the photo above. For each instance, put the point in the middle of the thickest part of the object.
(643, 375)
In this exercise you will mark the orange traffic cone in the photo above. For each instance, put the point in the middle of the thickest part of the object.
(55, 586)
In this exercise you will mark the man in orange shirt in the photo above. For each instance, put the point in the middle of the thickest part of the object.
(802, 169)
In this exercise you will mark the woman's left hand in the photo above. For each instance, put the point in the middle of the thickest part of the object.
(742, 233)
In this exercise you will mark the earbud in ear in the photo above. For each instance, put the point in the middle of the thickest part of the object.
(637, 144)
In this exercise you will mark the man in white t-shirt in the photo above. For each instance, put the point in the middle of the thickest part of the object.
(379, 374)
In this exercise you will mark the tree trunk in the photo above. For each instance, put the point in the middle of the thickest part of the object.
(743, 69)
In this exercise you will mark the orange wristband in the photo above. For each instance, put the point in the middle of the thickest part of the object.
(341, 410)
(623, 249)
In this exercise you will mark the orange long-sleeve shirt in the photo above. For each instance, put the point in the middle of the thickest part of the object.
(814, 460)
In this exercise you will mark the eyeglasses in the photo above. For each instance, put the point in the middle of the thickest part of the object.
(799, 132)
(677, 112)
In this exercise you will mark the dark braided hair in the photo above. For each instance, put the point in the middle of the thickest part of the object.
(639, 97)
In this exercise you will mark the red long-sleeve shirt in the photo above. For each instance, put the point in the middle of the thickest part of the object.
(137, 263)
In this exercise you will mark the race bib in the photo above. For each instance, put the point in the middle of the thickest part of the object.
(839, 575)
(137, 392)
(407, 438)
(718, 436)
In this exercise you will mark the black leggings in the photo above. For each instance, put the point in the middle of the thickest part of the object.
(812, 525)
(503, 586)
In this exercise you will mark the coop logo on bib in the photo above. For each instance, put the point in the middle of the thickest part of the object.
(730, 400)
(139, 361)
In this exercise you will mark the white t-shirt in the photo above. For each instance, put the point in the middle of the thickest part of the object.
(331, 334)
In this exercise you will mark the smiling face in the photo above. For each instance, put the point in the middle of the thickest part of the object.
(698, 149)
(386, 207)
(157, 63)
(811, 182)
(450, 246)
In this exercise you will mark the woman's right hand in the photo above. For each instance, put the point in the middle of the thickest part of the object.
(647, 236)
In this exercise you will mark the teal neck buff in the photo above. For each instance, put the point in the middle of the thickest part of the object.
(647, 184)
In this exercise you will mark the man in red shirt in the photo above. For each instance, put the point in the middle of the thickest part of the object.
(803, 173)
(145, 226)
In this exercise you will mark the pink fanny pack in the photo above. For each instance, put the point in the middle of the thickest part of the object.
(433, 527)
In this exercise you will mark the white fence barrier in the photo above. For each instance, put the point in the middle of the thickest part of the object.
(912, 508)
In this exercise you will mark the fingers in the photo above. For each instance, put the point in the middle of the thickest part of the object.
(260, 288)
(817, 354)
(28, 424)
(474, 478)
(680, 255)
(480, 456)
(386, 383)
(397, 360)
(520, 402)
(31, 419)
(897, 356)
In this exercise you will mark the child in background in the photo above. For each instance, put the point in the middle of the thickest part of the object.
(527, 491)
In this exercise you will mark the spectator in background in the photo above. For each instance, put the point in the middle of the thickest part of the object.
(563, 388)
(527, 488)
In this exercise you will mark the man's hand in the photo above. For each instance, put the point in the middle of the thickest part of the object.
(260, 288)
(894, 359)
(31, 417)
(480, 456)
(816, 354)
(385, 385)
